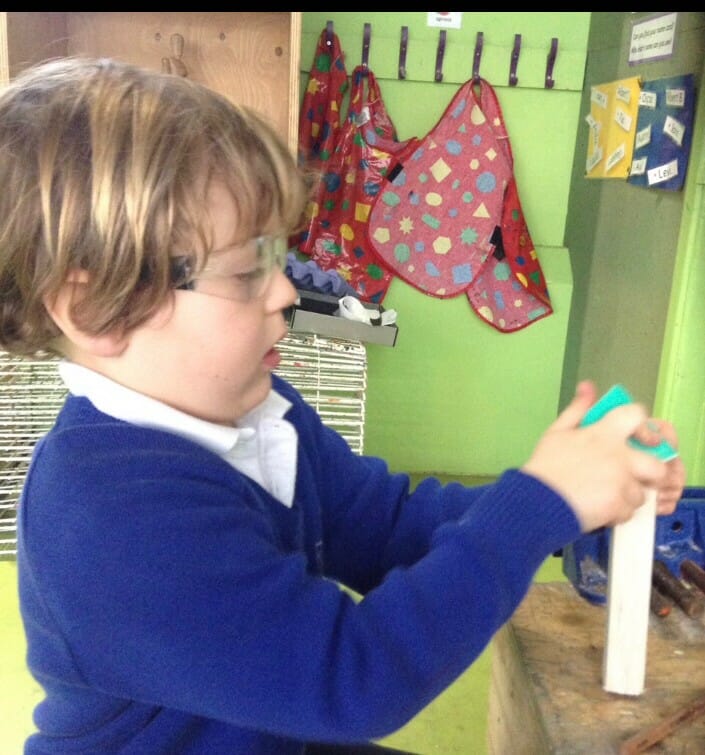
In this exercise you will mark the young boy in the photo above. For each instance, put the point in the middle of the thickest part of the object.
(186, 525)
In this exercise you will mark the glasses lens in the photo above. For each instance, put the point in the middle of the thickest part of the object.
(271, 252)
(246, 282)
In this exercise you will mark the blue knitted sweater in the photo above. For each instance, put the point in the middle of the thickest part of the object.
(171, 605)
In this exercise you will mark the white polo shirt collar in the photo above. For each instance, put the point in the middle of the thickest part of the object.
(263, 445)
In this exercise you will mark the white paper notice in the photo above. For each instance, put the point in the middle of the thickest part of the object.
(653, 38)
(444, 20)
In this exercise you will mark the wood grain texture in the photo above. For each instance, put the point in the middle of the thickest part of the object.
(251, 58)
(547, 695)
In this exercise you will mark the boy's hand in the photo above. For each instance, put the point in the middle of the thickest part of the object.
(601, 476)
(670, 492)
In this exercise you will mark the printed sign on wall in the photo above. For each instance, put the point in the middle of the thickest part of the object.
(653, 38)
(612, 123)
(444, 20)
(663, 133)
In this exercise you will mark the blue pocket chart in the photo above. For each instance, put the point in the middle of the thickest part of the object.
(664, 133)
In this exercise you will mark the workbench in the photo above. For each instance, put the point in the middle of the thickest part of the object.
(546, 695)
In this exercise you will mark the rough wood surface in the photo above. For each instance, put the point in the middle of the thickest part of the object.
(645, 740)
(546, 695)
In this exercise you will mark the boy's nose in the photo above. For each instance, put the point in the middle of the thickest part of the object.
(281, 293)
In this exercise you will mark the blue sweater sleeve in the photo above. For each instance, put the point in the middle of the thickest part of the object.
(372, 521)
(152, 571)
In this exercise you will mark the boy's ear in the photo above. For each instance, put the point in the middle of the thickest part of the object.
(59, 308)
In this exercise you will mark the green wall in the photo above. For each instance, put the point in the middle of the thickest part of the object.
(680, 393)
(456, 396)
(636, 256)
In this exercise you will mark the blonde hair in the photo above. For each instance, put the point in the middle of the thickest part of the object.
(103, 167)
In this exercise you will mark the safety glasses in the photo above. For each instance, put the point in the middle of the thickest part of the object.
(242, 275)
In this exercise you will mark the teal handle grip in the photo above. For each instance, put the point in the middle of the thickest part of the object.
(616, 396)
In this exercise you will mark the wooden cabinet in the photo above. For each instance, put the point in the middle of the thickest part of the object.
(252, 58)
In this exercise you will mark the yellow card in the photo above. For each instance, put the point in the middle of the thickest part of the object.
(612, 123)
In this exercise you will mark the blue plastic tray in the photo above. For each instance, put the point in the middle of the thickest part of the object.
(679, 536)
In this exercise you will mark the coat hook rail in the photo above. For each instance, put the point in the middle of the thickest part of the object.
(550, 62)
(366, 37)
(174, 63)
(478, 56)
(440, 52)
(513, 80)
(403, 45)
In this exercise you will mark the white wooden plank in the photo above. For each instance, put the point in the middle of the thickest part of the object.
(628, 592)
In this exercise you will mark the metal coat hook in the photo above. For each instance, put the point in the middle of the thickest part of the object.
(513, 80)
(550, 61)
(329, 33)
(477, 57)
(366, 35)
(403, 44)
(440, 52)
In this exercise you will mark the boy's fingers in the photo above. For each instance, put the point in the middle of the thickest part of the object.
(668, 431)
(646, 468)
(624, 420)
(653, 431)
(585, 395)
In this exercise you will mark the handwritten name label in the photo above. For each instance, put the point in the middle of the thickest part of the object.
(662, 173)
(648, 99)
(643, 137)
(624, 94)
(594, 159)
(623, 119)
(615, 157)
(675, 97)
(638, 167)
(599, 98)
(675, 129)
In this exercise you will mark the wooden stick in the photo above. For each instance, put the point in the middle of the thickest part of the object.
(693, 573)
(691, 602)
(642, 741)
(629, 570)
